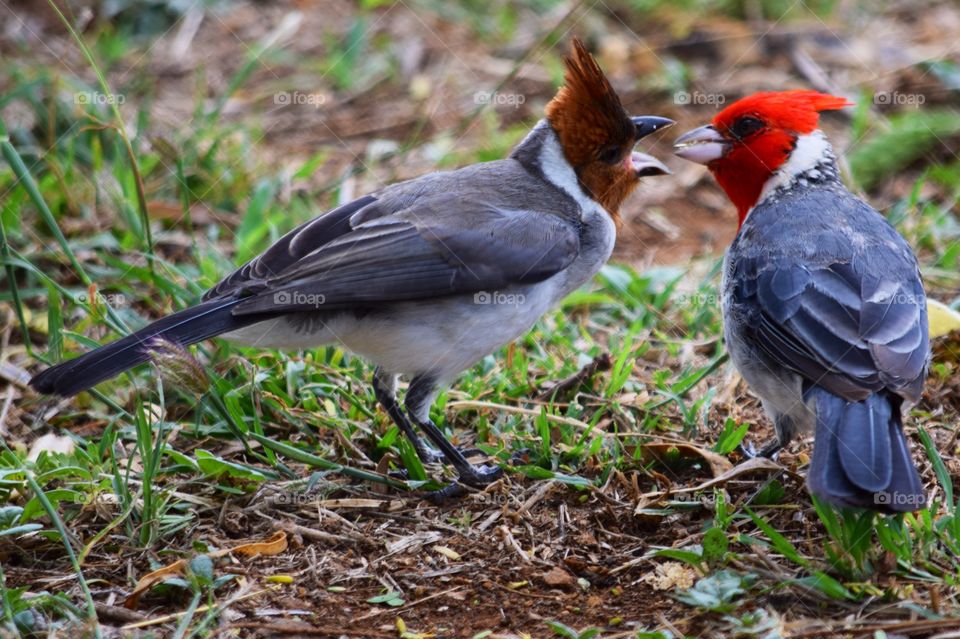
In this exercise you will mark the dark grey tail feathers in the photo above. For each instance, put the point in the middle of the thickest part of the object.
(860, 455)
(184, 327)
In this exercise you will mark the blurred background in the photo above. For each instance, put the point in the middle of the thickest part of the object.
(290, 106)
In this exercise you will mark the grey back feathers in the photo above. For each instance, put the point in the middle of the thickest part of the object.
(825, 311)
(845, 306)
(483, 227)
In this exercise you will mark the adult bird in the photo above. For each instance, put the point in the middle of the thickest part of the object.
(409, 276)
(824, 309)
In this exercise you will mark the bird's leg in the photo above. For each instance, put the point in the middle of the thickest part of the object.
(420, 396)
(385, 390)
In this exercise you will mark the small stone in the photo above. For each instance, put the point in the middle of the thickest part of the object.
(559, 578)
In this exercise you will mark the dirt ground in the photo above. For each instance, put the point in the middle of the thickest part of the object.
(507, 561)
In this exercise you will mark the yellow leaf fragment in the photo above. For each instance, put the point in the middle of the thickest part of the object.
(449, 553)
(942, 318)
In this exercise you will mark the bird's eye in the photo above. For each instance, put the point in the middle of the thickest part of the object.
(611, 154)
(745, 127)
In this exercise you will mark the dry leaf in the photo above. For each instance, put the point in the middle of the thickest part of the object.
(50, 443)
(413, 541)
(751, 465)
(670, 575)
(449, 553)
(942, 319)
(275, 545)
(352, 503)
(656, 451)
(176, 569)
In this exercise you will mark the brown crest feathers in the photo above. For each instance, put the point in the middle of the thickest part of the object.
(587, 116)
(585, 90)
(585, 80)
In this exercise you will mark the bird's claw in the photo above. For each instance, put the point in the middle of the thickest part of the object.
(479, 476)
(476, 477)
(430, 455)
(747, 450)
(770, 450)
(471, 476)
(472, 452)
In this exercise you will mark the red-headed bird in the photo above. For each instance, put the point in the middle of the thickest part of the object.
(413, 276)
(824, 309)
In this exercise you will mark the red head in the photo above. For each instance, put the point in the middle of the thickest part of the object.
(596, 134)
(753, 138)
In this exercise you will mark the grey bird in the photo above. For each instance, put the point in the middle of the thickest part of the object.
(823, 305)
(410, 277)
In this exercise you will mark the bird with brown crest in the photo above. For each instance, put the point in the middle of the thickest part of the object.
(409, 276)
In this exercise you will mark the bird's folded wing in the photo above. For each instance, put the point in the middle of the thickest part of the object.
(440, 246)
(290, 248)
(849, 332)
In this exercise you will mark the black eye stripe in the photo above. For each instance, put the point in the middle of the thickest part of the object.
(745, 126)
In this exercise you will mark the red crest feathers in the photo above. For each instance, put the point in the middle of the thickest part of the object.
(797, 110)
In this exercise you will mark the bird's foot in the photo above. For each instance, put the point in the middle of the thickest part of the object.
(475, 477)
(479, 476)
(430, 455)
(770, 450)
(483, 475)
(746, 449)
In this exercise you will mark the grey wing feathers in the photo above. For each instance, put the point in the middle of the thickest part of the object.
(290, 248)
(854, 324)
(438, 245)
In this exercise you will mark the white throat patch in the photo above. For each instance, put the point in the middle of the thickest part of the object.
(812, 150)
(559, 172)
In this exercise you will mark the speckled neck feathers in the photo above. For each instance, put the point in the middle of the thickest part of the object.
(811, 163)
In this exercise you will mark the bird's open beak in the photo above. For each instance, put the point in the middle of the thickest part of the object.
(702, 145)
(647, 124)
(646, 165)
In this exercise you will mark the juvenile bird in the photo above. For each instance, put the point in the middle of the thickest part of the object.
(410, 276)
(823, 306)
